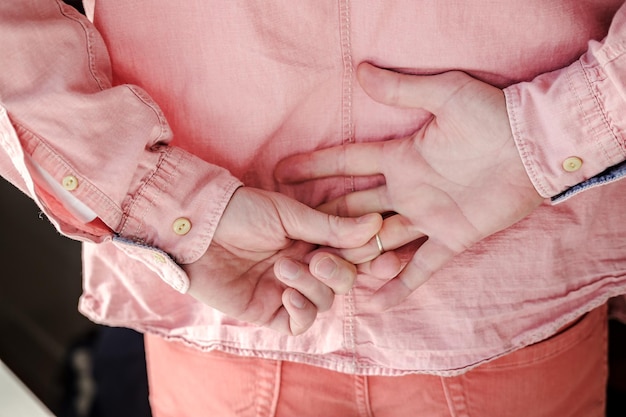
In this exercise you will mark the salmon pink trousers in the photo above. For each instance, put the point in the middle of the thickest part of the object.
(563, 376)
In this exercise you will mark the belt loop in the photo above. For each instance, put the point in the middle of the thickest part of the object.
(362, 396)
(268, 387)
(455, 396)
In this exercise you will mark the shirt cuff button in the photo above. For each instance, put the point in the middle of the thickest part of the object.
(70, 183)
(572, 164)
(181, 226)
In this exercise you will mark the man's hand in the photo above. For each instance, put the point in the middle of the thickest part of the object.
(263, 236)
(456, 181)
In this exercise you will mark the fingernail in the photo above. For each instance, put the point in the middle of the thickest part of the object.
(297, 299)
(289, 269)
(326, 268)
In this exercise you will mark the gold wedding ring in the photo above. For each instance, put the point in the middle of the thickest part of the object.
(379, 243)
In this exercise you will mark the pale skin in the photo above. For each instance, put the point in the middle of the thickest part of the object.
(263, 265)
(456, 181)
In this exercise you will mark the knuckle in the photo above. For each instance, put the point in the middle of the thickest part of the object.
(325, 305)
(335, 226)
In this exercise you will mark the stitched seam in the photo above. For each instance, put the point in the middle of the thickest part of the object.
(367, 403)
(347, 127)
(90, 49)
(610, 53)
(152, 178)
(277, 385)
(520, 142)
(141, 195)
(157, 111)
(213, 221)
(348, 72)
(85, 183)
(448, 396)
(594, 94)
(568, 346)
(347, 137)
(579, 332)
(268, 382)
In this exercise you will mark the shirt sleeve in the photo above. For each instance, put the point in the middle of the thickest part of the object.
(569, 125)
(107, 146)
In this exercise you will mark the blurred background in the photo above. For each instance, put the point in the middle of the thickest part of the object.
(79, 369)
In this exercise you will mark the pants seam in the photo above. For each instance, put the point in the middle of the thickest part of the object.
(455, 396)
(364, 405)
(276, 393)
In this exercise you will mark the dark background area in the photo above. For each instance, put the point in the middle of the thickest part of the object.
(78, 4)
(77, 368)
(39, 292)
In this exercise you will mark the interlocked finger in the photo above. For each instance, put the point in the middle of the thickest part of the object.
(353, 159)
(397, 231)
(295, 316)
(297, 276)
(359, 203)
(429, 258)
(326, 275)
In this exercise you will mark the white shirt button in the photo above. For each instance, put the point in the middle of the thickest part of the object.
(70, 183)
(181, 226)
(572, 164)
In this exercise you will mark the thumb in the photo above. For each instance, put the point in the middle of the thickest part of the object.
(429, 92)
(301, 222)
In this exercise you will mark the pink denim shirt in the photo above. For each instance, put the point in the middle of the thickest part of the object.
(161, 110)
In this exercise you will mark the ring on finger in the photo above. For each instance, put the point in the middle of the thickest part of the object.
(379, 243)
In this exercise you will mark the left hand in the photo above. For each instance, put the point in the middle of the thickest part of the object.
(262, 265)
(456, 180)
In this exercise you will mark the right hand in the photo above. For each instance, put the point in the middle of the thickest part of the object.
(255, 269)
(456, 180)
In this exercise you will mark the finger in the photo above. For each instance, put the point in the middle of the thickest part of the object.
(428, 259)
(301, 313)
(386, 266)
(297, 276)
(304, 223)
(296, 315)
(353, 159)
(429, 92)
(359, 203)
(396, 231)
(333, 272)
